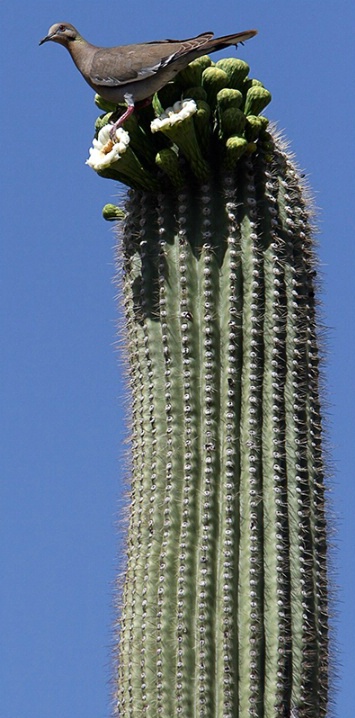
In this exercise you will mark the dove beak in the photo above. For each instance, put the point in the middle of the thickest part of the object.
(47, 38)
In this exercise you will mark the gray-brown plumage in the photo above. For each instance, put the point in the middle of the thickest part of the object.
(133, 73)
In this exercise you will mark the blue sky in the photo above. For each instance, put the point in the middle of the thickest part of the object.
(63, 395)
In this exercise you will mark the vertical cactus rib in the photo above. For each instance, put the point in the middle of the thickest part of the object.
(297, 488)
(231, 363)
(172, 499)
(186, 637)
(208, 278)
(315, 639)
(276, 542)
(250, 550)
(155, 427)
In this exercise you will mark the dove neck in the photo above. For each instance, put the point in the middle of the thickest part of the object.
(82, 53)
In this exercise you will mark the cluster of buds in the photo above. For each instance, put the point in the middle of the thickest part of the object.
(211, 119)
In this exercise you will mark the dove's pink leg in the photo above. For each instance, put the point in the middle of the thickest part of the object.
(121, 120)
(127, 114)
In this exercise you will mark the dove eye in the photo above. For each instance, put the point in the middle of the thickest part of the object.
(61, 28)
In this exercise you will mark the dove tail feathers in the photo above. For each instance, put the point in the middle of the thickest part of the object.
(219, 43)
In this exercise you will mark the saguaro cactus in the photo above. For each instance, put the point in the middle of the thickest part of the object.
(224, 602)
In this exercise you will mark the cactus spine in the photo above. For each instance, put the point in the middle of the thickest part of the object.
(224, 605)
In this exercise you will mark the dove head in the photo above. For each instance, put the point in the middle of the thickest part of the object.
(63, 33)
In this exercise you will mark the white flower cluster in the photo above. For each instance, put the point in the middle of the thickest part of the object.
(105, 151)
(179, 111)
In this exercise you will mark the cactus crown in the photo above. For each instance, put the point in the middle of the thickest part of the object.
(212, 119)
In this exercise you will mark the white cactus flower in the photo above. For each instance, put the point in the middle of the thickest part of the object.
(106, 151)
(179, 111)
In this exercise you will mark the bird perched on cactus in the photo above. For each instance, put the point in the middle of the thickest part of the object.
(224, 603)
(131, 74)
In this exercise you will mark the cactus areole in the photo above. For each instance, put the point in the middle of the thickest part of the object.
(223, 611)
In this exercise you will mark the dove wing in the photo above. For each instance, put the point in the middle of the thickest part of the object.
(117, 66)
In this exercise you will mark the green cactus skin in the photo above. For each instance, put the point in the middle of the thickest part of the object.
(224, 608)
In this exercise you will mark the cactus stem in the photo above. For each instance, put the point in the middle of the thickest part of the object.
(224, 610)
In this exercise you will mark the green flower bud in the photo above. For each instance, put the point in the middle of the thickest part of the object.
(227, 98)
(235, 148)
(251, 82)
(236, 70)
(213, 80)
(254, 126)
(191, 75)
(203, 126)
(232, 122)
(256, 100)
(111, 212)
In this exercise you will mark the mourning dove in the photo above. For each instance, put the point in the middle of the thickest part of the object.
(133, 73)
